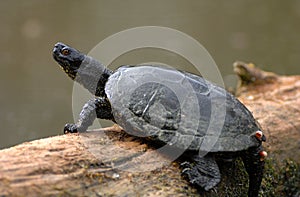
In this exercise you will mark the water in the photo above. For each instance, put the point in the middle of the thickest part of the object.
(36, 96)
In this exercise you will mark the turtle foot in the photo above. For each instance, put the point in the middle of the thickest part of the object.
(70, 128)
(203, 172)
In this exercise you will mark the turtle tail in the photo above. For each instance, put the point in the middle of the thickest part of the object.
(254, 165)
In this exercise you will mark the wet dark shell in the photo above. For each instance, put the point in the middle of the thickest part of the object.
(180, 109)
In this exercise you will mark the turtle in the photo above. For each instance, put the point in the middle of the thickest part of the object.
(177, 108)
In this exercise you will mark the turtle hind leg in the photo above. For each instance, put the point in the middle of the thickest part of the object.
(202, 171)
(254, 165)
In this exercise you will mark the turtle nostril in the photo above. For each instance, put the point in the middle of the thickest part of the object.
(55, 51)
(56, 48)
(58, 45)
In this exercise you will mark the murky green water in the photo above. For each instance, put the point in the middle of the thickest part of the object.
(36, 96)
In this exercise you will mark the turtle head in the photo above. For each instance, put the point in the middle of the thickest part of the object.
(68, 58)
(82, 68)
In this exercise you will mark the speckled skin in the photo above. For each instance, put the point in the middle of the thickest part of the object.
(177, 108)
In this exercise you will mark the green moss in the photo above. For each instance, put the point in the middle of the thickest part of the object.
(281, 178)
(290, 178)
(270, 179)
(234, 179)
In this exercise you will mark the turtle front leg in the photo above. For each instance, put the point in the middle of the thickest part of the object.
(97, 107)
(254, 164)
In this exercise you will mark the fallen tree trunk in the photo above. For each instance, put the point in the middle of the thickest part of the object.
(275, 102)
(108, 162)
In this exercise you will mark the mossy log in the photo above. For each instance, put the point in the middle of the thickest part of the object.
(108, 162)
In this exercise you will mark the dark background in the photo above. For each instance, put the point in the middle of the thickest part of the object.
(36, 96)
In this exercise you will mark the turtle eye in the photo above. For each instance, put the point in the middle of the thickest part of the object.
(65, 52)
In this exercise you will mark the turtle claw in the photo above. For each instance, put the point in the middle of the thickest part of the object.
(70, 128)
(186, 170)
(185, 165)
(187, 173)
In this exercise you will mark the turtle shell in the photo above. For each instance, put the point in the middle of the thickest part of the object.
(180, 109)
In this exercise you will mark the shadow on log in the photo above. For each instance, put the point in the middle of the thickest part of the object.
(108, 162)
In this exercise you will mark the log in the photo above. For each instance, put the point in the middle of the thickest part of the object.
(109, 162)
(68, 165)
(275, 102)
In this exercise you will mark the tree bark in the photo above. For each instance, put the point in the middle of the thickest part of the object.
(108, 162)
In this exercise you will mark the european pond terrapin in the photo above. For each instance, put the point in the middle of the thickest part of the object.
(178, 108)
